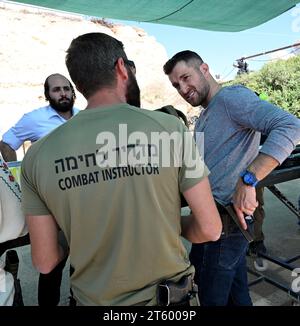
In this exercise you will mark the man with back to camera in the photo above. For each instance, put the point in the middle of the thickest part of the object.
(35, 124)
(232, 120)
(121, 219)
(32, 126)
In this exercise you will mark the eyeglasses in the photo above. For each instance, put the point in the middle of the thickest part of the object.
(130, 63)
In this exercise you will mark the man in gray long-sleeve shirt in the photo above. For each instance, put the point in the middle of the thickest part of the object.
(232, 121)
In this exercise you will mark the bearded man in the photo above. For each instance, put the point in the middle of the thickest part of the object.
(117, 204)
(36, 124)
(32, 126)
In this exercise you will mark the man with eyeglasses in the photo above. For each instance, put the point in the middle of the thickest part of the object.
(119, 209)
(133, 93)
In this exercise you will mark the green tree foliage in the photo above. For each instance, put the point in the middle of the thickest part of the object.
(280, 80)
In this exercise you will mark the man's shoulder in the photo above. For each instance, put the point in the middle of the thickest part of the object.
(41, 111)
(30, 117)
(236, 90)
(238, 95)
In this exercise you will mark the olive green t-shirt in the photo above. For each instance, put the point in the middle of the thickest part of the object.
(108, 183)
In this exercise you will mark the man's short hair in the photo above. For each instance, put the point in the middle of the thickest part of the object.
(46, 86)
(185, 56)
(91, 60)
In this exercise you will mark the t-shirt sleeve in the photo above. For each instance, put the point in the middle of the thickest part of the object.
(193, 168)
(19, 133)
(32, 203)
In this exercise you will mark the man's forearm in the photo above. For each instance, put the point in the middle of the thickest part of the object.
(205, 223)
(7, 152)
(263, 165)
(46, 251)
(244, 197)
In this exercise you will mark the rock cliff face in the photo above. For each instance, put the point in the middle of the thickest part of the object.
(33, 44)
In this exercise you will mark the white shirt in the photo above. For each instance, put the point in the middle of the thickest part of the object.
(33, 126)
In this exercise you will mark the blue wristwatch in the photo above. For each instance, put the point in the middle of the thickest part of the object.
(249, 178)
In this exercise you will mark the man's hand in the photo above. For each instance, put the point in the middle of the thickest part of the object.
(244, 201)
(244, 198)
(7, 152)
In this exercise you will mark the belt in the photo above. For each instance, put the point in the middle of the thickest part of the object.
(230, 221)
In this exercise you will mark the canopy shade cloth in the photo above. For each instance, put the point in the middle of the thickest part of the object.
(214, 15)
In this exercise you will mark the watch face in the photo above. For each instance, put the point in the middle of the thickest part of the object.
(249, 178)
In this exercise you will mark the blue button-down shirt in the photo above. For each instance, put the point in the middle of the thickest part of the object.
(33, 126)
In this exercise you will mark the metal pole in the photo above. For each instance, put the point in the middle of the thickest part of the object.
(271, 51)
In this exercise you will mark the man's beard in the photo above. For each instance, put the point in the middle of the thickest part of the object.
(202, 93)
(62, 106)
(133, 96)
(201, 97)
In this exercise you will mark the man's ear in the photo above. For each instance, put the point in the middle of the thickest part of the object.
(121, 69)
(204, 69)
